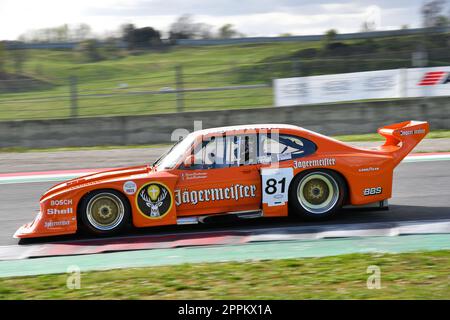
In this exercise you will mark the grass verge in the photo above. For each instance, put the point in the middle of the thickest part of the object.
(419, 275)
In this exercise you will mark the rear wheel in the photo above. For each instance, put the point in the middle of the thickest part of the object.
(104, 212)
(316, 195)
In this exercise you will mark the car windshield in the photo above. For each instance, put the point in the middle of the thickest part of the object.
(169, 159)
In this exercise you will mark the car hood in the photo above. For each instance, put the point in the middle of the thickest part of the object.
(94, 178)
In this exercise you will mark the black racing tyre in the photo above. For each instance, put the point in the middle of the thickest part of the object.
(104, 212)
(317, 194)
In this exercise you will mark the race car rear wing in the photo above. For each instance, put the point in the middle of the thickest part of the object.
(402, 137)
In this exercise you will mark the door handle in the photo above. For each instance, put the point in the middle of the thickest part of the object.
(246, 171)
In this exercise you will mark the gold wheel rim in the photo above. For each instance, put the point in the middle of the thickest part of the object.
(105, 211)
(316, 191)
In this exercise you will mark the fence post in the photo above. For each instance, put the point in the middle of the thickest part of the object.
(73, 97)
(296, 68)
(179, 87)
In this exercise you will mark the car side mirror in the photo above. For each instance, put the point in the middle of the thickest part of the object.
(189, 161)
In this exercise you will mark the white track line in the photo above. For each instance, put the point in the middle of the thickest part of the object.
(48, 177)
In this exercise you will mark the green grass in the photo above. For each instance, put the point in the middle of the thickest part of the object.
(420, 275)
(202, 67)
(208, 66)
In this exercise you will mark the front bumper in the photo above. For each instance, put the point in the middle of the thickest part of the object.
(42, 227)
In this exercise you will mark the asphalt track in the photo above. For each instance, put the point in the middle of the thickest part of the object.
(82, 159)
(421, 192)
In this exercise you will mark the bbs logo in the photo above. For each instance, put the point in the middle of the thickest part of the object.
(372, 191)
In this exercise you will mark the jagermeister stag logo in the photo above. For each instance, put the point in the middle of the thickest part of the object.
(154, 200)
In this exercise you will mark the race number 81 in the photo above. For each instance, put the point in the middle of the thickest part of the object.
(275, 185)
(271, 185)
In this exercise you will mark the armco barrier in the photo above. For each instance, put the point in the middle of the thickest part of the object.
(329, 119)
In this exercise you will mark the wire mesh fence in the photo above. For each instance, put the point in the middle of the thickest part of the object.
(181, 88)
(171, 91)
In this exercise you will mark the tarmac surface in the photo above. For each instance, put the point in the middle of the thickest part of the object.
(83, 159)
(421, 189)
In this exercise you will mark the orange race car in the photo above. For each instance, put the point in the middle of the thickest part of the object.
(244, 171)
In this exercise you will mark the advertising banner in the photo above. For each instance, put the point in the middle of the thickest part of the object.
(337, 87)
(382, 84)
(428, 82)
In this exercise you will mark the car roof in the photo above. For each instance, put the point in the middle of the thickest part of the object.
(248, 127)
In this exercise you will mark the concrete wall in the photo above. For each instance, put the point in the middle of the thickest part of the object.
(348, 118)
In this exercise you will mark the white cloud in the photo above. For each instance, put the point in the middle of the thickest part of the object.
(252, 17)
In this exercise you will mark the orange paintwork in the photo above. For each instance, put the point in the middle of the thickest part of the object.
(240, 185)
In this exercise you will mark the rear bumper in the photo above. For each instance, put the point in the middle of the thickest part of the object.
(41, 227)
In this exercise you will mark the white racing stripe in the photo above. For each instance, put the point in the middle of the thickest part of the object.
(48, 177)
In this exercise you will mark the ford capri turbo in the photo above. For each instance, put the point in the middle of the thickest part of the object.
(243, 171)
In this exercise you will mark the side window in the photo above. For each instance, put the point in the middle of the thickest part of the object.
(211, 154)
(234, 145)
(284, 147)
(271, 146)
(241, 150)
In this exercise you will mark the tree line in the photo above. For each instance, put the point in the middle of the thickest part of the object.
(184, 27)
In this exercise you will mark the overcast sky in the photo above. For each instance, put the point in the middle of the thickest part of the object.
(251, 17)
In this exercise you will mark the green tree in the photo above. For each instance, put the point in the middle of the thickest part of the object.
(127, 31)
(330, 35)
(432, 14)
(329, 38)
(367, 26)
(183, 28)
(227, 31)
(186, 28)
(442, 21)
(204, 31)
(88, 50)
(140, 37)
(81, 32)
(62, 33)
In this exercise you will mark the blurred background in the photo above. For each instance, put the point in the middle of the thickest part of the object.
(89, 85)
(140, 63)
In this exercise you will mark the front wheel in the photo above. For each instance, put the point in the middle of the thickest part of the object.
(104, 212)
(316, 195)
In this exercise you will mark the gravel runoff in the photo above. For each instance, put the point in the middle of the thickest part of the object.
(90, 159)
